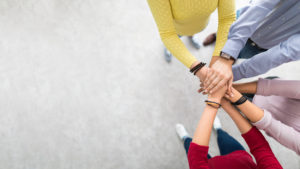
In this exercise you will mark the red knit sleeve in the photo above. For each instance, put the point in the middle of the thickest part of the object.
(197, 156)
(260, 149)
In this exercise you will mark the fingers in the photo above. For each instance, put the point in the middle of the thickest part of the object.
(200, 90)
(211, 77)
(226, 96)
(219, 85)
(214, 83)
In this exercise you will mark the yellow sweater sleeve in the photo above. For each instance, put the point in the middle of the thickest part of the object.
(162, 13)
(226, 15)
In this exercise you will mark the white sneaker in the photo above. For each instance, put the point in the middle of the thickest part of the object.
(217, 124)
(195, 41)
(180, 130)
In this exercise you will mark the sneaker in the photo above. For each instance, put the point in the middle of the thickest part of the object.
(217, 124)
(168, 55)
(195, 41)
(181, 131)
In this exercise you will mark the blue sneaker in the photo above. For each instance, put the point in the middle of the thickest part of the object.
(168, 55)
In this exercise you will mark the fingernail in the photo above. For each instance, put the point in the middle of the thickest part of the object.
(210, 92)
(231, 95)
(206, 91)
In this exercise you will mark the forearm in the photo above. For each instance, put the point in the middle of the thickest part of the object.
(249, 88)
(243, 125)
(250, 110)
(178, 49)
(203, 131)
(285, 88)
(284, 52)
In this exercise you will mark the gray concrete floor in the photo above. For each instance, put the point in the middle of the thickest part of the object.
(84, 84)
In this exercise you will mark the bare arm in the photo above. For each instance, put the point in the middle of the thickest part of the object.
(243, 125)
(198, 150)
(250, 110)
(203, 131)
(250, 87)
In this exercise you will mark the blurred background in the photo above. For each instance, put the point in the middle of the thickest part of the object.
(84, 84)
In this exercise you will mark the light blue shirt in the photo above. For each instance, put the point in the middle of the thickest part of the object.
(271, 24)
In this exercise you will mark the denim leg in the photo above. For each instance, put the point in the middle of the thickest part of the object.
(227, 144)
(249, 51)
(187, 141)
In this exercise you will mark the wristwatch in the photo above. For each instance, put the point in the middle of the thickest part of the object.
(226, 56)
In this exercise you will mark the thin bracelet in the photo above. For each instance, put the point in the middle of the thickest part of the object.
(213, 104)
(196, 68)
(242, 100)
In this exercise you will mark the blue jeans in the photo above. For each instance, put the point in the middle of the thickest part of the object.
(249, 51)
(226, 143)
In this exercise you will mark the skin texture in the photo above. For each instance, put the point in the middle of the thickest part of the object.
(243, 125)
(204, 127)
(249, 88)
(202, 74)
(219, 75)
(250, 110)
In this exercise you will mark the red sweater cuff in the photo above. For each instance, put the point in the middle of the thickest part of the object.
(197, 156)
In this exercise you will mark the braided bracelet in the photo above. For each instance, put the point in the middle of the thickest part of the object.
(198, 67)
(213, 104)
(242, 100)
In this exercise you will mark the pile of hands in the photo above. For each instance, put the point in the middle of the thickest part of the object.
(216, 81)
(217, 77)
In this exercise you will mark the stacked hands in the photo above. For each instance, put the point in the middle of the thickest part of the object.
(217, 82)
(217, 77)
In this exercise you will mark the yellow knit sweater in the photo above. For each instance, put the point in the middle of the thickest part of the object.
(187, 17)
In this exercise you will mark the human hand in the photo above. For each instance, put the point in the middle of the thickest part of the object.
(236, 96)
(202, 74)
(218, 76)
(218, 95)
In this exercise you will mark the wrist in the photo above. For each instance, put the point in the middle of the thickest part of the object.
(194, 64)
(236, 97)
(228, 62)
(214, 99)
(201, 74)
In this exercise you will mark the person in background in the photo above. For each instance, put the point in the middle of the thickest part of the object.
(237, 157)
(278, 113)
(266, 34)
(186, 18)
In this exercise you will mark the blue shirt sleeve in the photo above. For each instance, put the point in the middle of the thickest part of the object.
(246, 25)
(284, 52)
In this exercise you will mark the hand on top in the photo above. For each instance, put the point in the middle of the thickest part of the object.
(218, 76)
